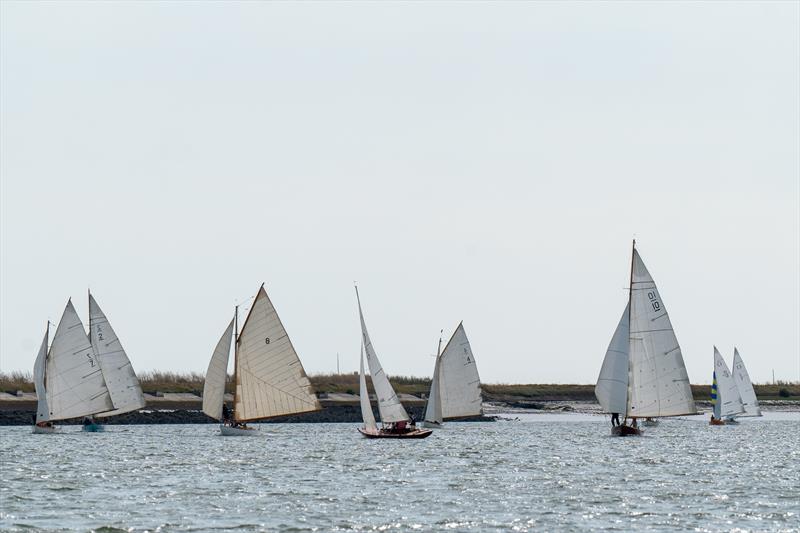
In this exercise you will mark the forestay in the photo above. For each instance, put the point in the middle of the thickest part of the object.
(658, 384)
(39, 366)
(214, 386)
(460, 385)
(728, 399)
(612, 383)
(366, 408)
(123, 386)
(270, 379)
(745, 387)
(389, 406)
(73, 378)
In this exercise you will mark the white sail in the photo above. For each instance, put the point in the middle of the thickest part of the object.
(389, 406)
(366, 408)
(123, 386)
(728, 394)
(612, 383)
(270, 379)
(73, 378)
(42, 414)
(745, 387)
(433, 411)
(214, 386)
(658, 384)
(460, 385)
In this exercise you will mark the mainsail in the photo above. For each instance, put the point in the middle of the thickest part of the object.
(123, 386)
(728, 399)
(366, 408)
(460, 385)
(658, 384)
(42, 414)
(745, 387)
(73, 378)
(214, 386)
(270, 379)
(612, 384)
(389, 406)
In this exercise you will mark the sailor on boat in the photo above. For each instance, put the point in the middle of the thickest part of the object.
(614, 419)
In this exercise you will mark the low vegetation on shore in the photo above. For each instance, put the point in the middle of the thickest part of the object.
(192, 382)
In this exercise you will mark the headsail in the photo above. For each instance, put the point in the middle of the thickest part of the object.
(389, 406)
(42, 414)
(214, 386)
(123, 386)
(745, 387)
(460, 385)
(73, 378)
(366, 408)
(658, 384)
(433, 409)
(612, 383)
(270, 379)
(727, 394)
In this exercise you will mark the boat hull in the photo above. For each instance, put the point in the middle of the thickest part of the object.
(381, 434)
(625, 431)
(241, 431)
(716, 422)
(48, 430)
(94, 428)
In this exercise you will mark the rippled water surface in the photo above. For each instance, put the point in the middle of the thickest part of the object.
(544, 472)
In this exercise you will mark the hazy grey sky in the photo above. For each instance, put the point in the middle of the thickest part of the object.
(485, 162)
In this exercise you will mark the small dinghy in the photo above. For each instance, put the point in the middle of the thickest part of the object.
(389, 433)
(45, 429)
(725, 398)
(238, 431)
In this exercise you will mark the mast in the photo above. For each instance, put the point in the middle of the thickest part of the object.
(235, 361)
(630, 298)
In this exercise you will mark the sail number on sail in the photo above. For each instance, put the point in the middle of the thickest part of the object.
(654, 300)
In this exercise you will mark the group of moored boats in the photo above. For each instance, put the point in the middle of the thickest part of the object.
(643, 374)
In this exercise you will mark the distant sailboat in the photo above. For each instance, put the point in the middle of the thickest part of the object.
(43, 423)
(745, 387)
(270, 379)
(725, 397)
(455, 387)
(85, 375)
(394, 418)
(643, 373)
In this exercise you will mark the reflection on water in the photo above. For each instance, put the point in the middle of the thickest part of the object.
(544, 472)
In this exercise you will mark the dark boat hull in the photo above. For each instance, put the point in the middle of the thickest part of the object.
(380, 434)
(625, 431)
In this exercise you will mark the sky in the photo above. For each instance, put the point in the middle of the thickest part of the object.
(484, 162)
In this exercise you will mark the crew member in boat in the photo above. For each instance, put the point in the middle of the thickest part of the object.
(614, 419)
(226, 414)
(88, 421)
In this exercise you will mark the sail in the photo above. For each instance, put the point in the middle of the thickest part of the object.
(214, 386)
(657, 383)
(270, 379)
(612, 383)
(73, 378)
(745, 387)
(716, 405)
(460, 385)
(123, 386)
(433, 410)
(727, 393)
(366, 408)
(389, 406)
(39, 367)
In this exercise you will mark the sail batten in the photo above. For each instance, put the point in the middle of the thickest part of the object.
(745, 386)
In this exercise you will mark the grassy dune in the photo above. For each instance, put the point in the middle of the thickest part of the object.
(156, 381)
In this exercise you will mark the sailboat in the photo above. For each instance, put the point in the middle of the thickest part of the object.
(394, 418)
(455, 387)
(643, 373)
(270, 379)
(725, 397)
(84, 375)
(745, 387)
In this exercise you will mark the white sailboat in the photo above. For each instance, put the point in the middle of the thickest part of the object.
(43, 423)
(85, 375)
(455, 387)
(394, 418)
(725, 397)
(745, 387)
(643, 373)
(270, 379)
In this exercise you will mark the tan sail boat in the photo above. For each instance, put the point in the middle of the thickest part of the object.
(270, 379)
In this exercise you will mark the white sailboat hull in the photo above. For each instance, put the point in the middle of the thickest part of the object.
(45, 430)
(246, 431)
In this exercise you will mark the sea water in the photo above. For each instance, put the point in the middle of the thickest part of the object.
(541, 472)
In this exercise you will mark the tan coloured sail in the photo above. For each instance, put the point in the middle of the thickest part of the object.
(366, 407)
(42, 413)
(270, 379)
(214, 386)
